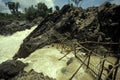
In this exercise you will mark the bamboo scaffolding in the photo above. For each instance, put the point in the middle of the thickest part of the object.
(112, 70)
(75, 47)
(65, 55)
(100, 43)
(78, 69)
(101, 69)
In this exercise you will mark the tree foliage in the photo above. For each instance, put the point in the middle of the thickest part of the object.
(39, 10)
(57, 8)
(13, 7)
(30, 13)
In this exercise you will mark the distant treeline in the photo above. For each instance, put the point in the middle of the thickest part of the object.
(39, 10)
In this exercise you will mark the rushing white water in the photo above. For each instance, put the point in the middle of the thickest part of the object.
(43, 60)
(9, 45)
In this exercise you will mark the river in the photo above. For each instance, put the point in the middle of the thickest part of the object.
(43, 60)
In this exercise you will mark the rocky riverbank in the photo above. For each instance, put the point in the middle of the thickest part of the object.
(14, 70)
(8, 27)
(75, 25)
(68, 26)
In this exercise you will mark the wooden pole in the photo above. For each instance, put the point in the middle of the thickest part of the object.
(112, 70)
(116, 69)
(78, 69)
(86, 65)
(102, 67)
(75, 53)
(117, 61)
(62, 48)
(65, 55)
(99, 43)
(89, 54)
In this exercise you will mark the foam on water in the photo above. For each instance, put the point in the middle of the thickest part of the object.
(43, 60)
(9, 45)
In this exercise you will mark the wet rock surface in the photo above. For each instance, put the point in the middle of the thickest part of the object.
(99, 24)
(10, 68)
(31, 75)
(13, 70)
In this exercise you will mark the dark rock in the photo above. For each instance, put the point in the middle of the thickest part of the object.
(31, 75)
(10, 27)
(69, 61)
(109, 17)
(10, 68)
(94, 24)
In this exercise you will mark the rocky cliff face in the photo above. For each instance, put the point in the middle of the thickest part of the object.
(100, 24)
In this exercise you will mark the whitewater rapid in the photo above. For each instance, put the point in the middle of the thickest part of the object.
(43, 60)
(9, 45)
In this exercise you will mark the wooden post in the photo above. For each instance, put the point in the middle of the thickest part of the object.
(117, 61)
(116, 69)
(89, 54)
(101, 70)
(74, 48)
(78, 68)
(57, 45)
(65, 55)
(62, 47)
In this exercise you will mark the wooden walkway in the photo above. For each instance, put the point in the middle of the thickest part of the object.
(97, 71)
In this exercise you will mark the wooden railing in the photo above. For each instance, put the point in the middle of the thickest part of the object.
(97, 72)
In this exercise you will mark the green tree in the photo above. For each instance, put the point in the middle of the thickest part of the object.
(17, 5)
(30, 13)
(13, 7)
(50, 10)
(57, 8)
(42, 9)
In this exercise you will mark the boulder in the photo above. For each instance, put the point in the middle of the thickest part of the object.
(93, 24)
(31, 75)
(10, 68)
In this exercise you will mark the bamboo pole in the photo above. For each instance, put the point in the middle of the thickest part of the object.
(88, 63)
(112, 69)
(101, 71)
(116, 69)
(65, 55)
(100, 43)
(78, 69)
